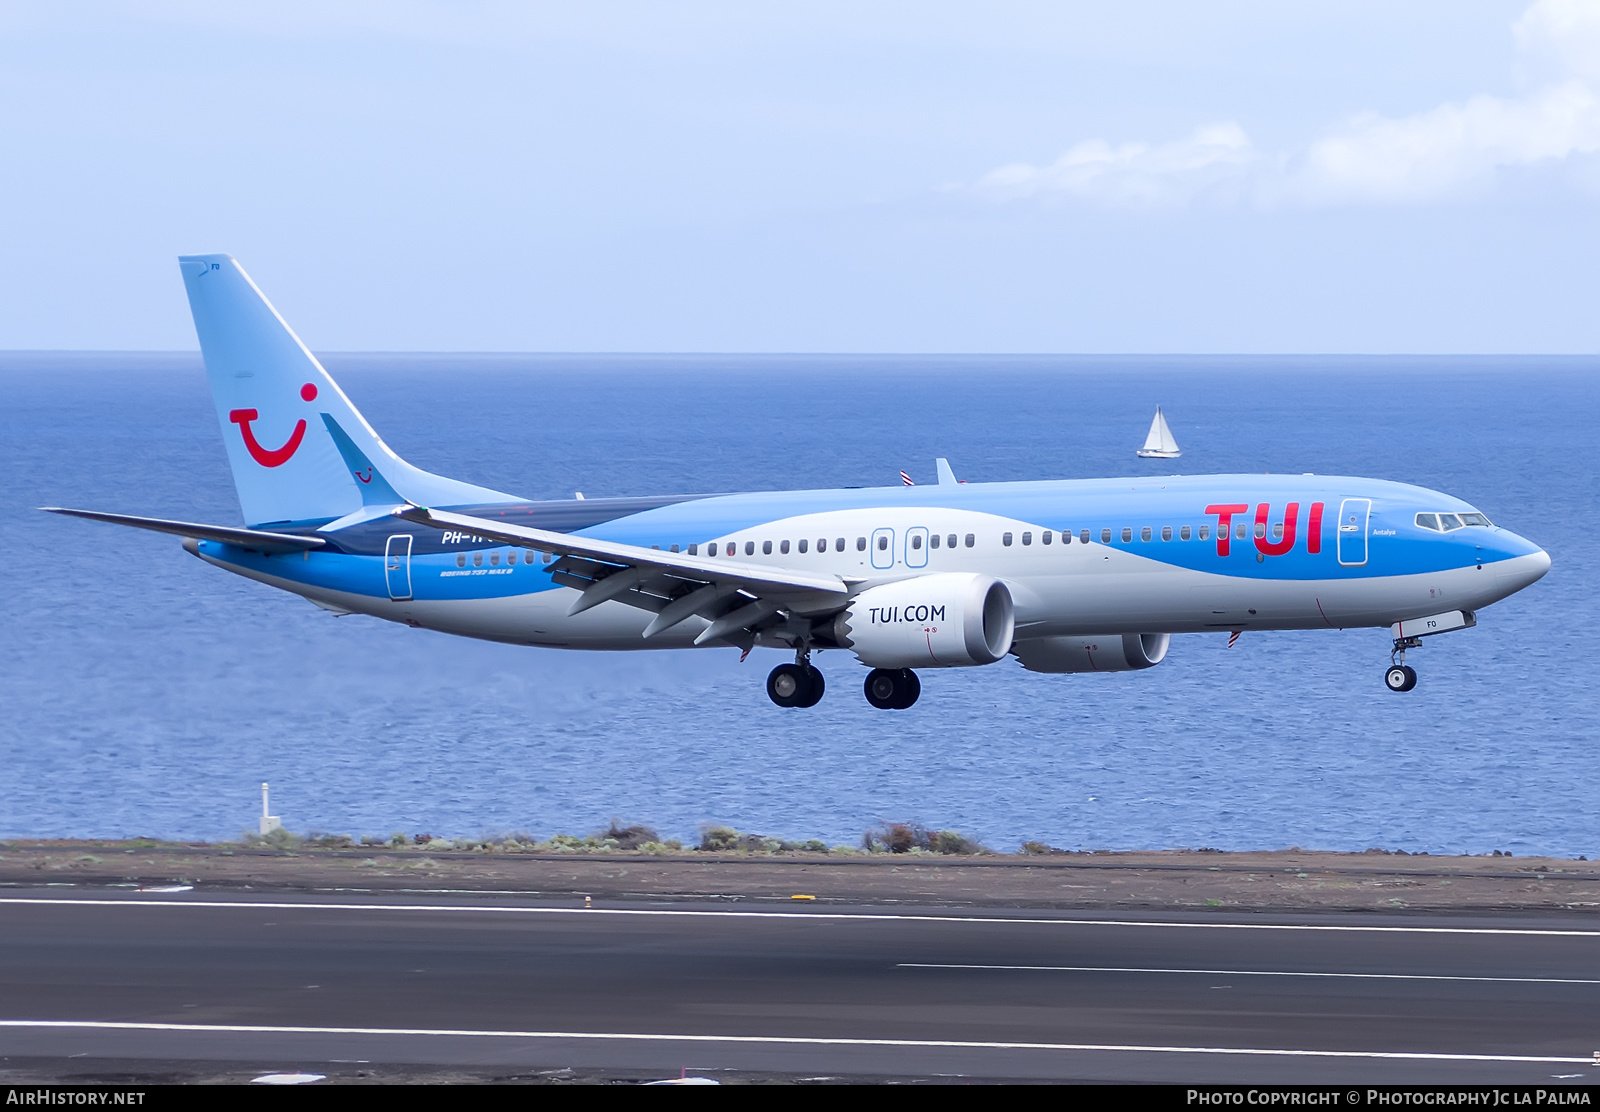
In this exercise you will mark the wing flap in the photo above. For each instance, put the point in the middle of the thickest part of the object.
(764, 581)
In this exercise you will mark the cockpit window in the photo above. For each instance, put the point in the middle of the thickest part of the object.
(1449, 523)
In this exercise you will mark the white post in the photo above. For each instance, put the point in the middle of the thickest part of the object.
(269, 823)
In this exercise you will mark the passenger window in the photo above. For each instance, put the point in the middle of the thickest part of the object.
(1241, 531)
(546, 557)
(1005, 539)
(527, 557)
(1449, 522)
(933, 541)
(461, 559)
(1083, 537)
(494, 559)
(1105, 536)
(477, 559)
(883, 544)
(971, 540)
(1144, 534)
(766, 548)
(694, 550)
(511, 557)
(916, 542)
(1044, 537)
(951, 541)
(674, 548)
(1127, 535)
(1027, 538)
(803, 544)
(1183, 533)
(732, 548)
(1205, 532)
(861, 544)
(1261, 530)
(784, 548)
(838, 544)
(749, 548)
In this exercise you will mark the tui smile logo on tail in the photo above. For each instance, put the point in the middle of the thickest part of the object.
(272, 457)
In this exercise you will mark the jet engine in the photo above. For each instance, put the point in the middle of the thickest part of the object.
(1114, 652)
(949, 620)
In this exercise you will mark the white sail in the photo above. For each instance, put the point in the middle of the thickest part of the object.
(1160, 444)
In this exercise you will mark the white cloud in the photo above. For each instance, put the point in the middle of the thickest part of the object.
(1133, 173)
(1447, 150)
(1369, 159)
(1559, 38)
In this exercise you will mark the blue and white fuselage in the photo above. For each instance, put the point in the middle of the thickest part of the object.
(1068, 575)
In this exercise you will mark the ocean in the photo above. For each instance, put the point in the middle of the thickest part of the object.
(145, 693)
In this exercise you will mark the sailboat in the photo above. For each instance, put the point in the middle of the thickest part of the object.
(1159, 444)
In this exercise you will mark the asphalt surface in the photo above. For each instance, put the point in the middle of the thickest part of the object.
(161, 984)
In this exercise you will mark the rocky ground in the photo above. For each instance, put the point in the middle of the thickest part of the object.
(1153, 880)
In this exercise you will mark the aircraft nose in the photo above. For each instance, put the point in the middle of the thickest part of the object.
(1538, 564)
(1527, 564)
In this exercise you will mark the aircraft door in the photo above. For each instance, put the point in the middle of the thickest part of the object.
(883, 548)
(397, 566)
(916, 554)
(1353, 519)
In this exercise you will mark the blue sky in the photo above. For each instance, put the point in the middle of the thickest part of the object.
(995, 177)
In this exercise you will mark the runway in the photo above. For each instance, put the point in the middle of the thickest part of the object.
(476, 987)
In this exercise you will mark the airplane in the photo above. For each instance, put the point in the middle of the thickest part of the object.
(1075, 575)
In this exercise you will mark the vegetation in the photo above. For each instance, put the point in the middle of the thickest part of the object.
(621, 837)
(909, 837)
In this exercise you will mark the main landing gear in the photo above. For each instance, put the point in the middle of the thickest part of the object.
(1401, 676)
(797, 684)
(801, 685)
(892, 688)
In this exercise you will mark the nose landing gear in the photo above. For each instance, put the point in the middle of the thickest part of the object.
(1401, 676)
(892, 688)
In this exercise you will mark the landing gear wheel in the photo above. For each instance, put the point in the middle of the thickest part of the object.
(1400, 677)
(794, 685)
(892, 688)
(911, 689)
(818, 686)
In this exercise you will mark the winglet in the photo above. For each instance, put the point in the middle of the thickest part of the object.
(375, 489)
(947, 477)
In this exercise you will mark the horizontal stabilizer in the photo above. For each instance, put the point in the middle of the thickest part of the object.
(255, 539)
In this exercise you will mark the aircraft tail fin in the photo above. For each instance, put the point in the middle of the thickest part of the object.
(270, 393)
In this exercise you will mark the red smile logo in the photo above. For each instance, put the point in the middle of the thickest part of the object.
(272, 457)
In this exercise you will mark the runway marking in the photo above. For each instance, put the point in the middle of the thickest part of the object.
(1250, 973)
(491, 909)
(774, 1040)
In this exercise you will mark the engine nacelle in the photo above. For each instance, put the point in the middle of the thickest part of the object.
(1115, 652)
(933, 621)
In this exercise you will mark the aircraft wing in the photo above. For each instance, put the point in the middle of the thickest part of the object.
(737, 598)
(259, 540)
